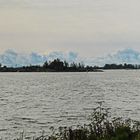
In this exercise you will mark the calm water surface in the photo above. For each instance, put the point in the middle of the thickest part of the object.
(33, 102)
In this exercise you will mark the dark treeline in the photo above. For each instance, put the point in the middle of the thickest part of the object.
(121, 66)
(63, 66)
(52, 66)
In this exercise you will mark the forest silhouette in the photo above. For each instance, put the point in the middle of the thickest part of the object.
(58, 65)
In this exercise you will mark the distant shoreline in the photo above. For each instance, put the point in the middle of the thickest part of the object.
(14, 70)
(46, 71)
(62, 66)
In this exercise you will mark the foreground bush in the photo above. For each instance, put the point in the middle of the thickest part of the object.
(102, 127)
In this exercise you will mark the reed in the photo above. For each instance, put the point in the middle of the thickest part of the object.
(101, 127)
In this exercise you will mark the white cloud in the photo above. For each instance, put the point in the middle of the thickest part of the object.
(11, 58)
(129, 56)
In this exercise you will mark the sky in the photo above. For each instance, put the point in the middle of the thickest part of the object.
(89, 27)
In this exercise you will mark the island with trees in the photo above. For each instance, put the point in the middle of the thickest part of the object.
(58, 65)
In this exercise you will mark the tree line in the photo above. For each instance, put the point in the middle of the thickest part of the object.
(121, 66)
(58, 65)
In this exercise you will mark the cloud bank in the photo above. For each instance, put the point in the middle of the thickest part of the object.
(11, 58)
(14, 59)
(129, 56)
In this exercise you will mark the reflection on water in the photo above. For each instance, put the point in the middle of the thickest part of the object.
(33, 102)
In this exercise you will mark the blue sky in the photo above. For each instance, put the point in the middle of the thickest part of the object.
(89, 27)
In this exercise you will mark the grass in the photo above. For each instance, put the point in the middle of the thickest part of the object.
(101, 127)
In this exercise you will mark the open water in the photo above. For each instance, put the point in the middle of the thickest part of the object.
(33, 102)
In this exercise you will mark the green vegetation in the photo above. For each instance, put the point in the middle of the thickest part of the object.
(101, 127)
(62, 66)
(53, 66)
(121, 66)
